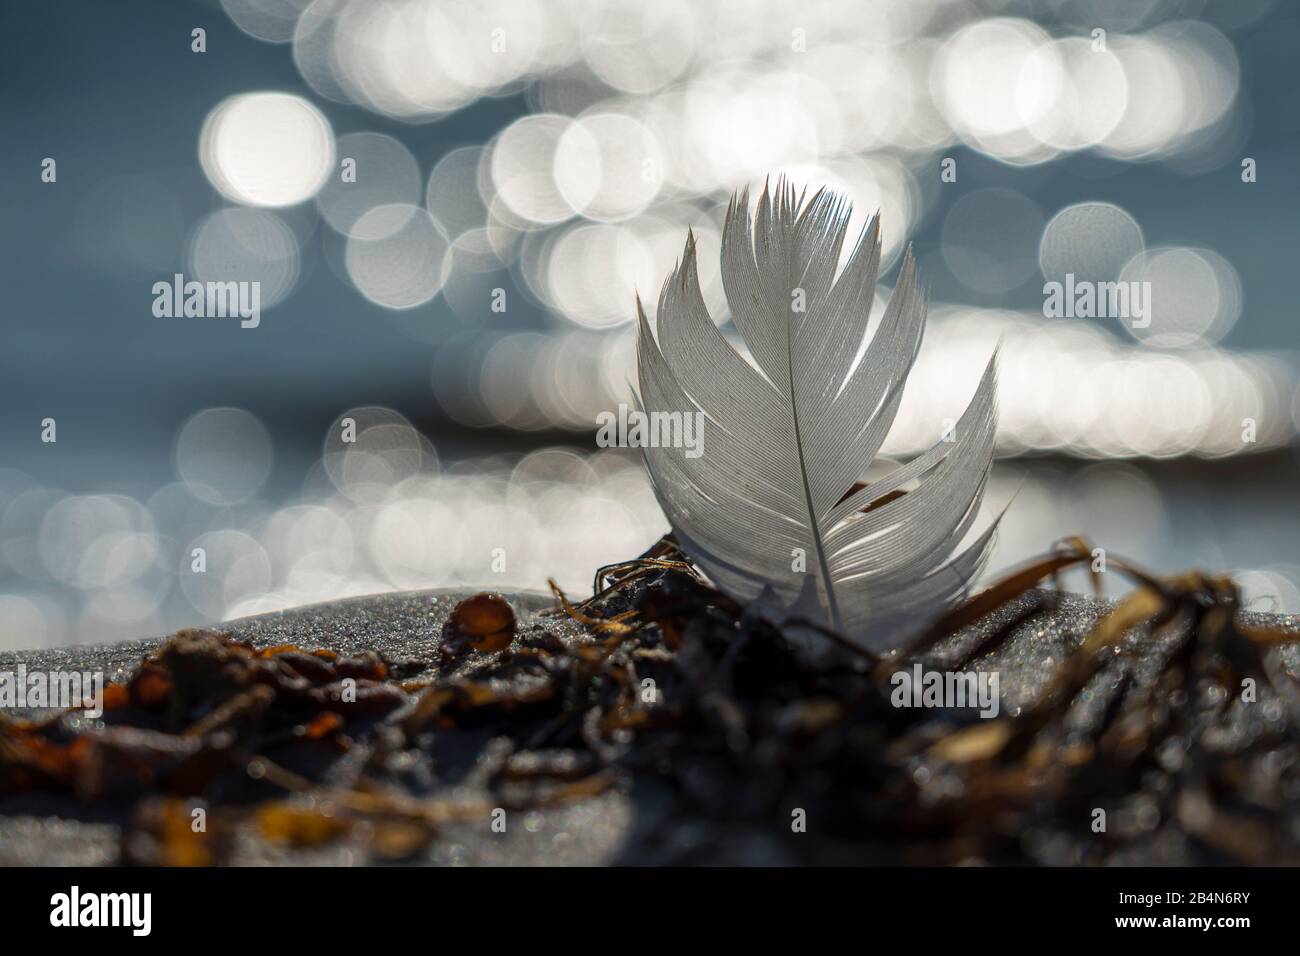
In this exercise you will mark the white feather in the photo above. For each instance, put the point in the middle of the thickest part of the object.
(784, 442)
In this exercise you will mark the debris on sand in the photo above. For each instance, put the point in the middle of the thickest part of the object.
(1165, 730)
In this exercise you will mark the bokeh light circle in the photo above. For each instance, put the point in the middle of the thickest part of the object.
(395, 256)
(1194, 296)
(266, 149)
(223, 455)
(990, 239)
(1091, 240)
(247, 245)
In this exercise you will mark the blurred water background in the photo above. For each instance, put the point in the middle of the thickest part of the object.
(522, 170)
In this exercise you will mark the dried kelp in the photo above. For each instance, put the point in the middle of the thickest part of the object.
(1171, 715)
